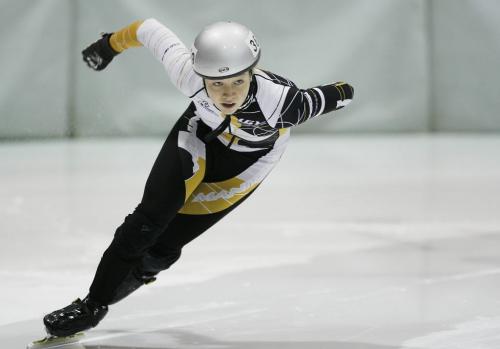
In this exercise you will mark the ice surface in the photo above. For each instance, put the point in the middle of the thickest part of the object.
(352, 242)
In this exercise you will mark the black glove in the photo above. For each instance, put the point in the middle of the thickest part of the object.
(100, 53)
(346, 90)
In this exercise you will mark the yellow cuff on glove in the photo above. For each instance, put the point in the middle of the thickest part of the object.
(125, 38)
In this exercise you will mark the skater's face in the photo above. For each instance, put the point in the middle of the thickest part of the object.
(229, 94)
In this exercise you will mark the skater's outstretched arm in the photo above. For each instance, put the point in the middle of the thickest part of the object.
(161, 41)
(285, 105)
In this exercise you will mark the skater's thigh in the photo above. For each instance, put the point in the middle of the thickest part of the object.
(186, 227)
(178, 169)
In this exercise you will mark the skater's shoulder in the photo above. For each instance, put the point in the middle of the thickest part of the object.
(266, 77)
(271, 90)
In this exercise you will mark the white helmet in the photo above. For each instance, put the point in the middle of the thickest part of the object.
(224, 49)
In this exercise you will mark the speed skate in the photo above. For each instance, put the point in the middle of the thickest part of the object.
(68, 342)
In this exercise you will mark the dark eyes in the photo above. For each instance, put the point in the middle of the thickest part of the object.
(220, 83)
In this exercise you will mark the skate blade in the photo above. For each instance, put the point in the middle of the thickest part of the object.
(69, 342)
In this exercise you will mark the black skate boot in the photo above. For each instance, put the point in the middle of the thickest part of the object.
(76, 317)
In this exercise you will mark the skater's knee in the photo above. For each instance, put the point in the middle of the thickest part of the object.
(156, 260)
(137, 234)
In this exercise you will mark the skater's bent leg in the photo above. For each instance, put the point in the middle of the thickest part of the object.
(182, 229)
(116, 269)
(231, 177)
(117, 274)
(144, 272)
(167, 250)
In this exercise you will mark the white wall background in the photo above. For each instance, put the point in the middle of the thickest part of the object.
(466, 59)
(417, 65)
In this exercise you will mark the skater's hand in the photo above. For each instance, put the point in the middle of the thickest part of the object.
(99, 54)
(347, 90)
